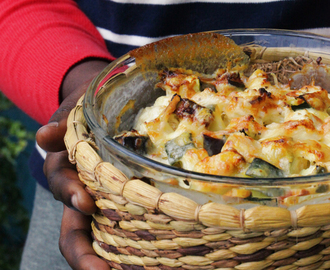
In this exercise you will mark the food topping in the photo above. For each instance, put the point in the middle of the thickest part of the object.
(235, 125)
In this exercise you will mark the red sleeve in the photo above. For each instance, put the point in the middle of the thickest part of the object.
(39, 42)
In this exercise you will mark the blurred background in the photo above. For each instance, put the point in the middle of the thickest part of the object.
(17, 132)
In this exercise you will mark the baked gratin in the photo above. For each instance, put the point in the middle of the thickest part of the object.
(234, 124)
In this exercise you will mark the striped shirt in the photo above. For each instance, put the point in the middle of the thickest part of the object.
(126, 24)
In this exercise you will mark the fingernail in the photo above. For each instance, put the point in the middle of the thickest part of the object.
(52, 124)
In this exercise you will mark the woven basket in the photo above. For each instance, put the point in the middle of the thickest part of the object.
(140, 227)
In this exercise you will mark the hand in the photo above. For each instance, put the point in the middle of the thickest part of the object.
(75, 242)
(61, 175)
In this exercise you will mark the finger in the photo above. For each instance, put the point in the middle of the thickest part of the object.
(65, 185)
(76, 243)
(50, 137)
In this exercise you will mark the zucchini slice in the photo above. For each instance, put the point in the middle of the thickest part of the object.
(177, 147)
(204, 84)
(301, 106)
(260, 168)
(187, 109)
(321, 188)
(321, 169)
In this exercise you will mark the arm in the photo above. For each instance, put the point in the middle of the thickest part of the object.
(49, 53)
(40, 41)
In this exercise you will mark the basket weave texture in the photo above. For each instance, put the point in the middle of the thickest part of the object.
(139, 227)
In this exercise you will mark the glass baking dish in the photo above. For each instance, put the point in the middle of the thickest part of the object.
(118, 93)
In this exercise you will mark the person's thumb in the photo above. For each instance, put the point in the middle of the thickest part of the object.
(50, 136)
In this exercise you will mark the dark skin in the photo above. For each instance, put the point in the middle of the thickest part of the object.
(75, 240)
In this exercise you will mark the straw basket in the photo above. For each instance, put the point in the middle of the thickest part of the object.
(140, 227)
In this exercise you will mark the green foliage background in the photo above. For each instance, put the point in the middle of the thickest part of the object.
(14, 217)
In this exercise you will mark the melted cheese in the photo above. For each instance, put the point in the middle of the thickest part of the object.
(289, 129)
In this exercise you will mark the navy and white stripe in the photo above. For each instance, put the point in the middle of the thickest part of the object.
(36, 163)
(126, 24)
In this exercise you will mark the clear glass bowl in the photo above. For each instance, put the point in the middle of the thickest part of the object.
(121, 89)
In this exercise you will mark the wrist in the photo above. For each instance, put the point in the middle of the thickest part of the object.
(81, 74)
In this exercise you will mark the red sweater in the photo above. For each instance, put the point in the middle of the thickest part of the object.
(39, 42)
